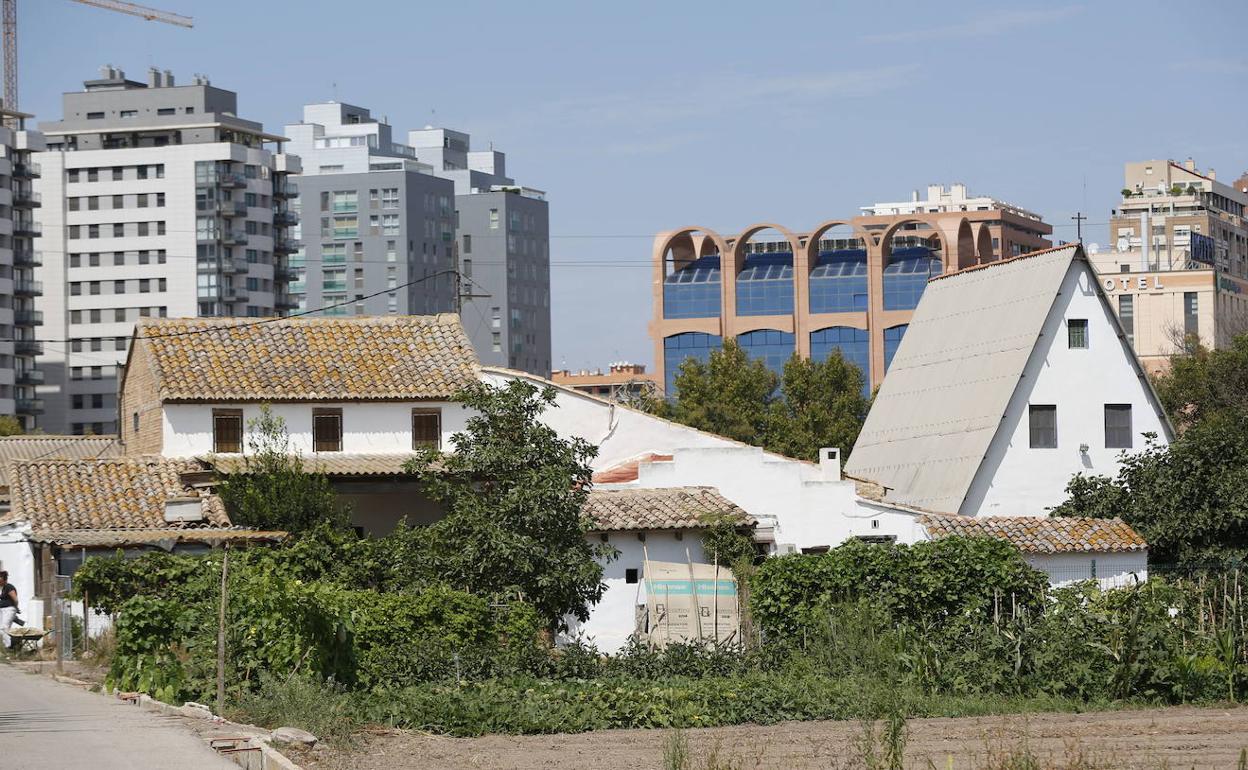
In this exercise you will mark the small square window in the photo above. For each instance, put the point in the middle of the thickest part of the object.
(227, 430)
(426, 428)
(1043, 426)
(327, 430)
(1077, 332)
(1117, 426)
(631, 575)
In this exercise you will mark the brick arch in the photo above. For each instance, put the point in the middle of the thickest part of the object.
(811, 252)
(749, 232)
(983, 244)
(884, 244)
(669, 239)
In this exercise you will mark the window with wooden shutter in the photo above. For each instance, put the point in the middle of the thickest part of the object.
(227, 431)
(426, 428)
(327, 430)
(1043, 426)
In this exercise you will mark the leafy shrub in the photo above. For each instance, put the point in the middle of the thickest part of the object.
(147, 658)
(929, 582)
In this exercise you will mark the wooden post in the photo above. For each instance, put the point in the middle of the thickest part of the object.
(86, 620)
(225, 567)
(693, 586)
(715, 601)
(58, 607)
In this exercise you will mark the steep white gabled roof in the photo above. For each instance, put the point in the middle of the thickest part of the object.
(952, 377)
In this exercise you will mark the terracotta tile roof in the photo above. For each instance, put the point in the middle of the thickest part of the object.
(328, 463)
(629, 470)
(14, 448)
(113, 494)
(1041, 534)
(109, 538)
(309, 359)
(671, 508)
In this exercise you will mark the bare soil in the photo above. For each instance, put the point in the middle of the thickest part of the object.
(1171, 738)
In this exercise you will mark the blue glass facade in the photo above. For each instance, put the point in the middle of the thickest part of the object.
(838, 282)
(854, 344)
(765, 285)
(773, 347)
(678, 347)
(694, 291)
(905, 277)
(892, 338)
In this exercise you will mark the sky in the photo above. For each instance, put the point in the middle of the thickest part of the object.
(640, 117)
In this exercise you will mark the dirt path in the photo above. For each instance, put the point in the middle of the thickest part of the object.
(1171, 738)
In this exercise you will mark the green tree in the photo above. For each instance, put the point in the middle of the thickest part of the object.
(514, 494)
(273, 491)
(1201, 383)
(1189, 500)
(10, 426)
(729, 395)
(820, 405)
(815, 404)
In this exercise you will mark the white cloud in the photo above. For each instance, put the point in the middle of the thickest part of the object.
(984, 25)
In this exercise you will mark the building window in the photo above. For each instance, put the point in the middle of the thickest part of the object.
(493, 219)
(227, 431)
(1043, 424)
(390, 197)
(467, 244)
(327, 430)
(1077, 332)
(1191, 316)
(630, 575)
(427, 428)
(1117, 426)
(1126, 315)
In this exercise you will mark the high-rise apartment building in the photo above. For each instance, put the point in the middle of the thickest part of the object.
(1174, 214)
(158, 200)
(18, 289)
(378, 235)
(503, 233)
(428, 226)
(848, 284)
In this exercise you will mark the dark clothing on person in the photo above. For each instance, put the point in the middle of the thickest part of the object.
(7, 592)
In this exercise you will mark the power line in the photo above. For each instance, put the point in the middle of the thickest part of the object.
(244, 325)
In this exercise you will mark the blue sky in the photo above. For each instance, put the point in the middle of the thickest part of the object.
(643, 116)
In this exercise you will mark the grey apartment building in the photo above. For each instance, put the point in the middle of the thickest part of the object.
(19, 320)
(158, 200)
(421, 227)
(378, 230)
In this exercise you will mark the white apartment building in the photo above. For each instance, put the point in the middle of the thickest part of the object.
(18, 289)
(159, 201)
(940, 200)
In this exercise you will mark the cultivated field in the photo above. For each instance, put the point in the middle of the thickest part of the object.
(1173, 738)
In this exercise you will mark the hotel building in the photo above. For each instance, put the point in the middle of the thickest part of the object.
(848, 284)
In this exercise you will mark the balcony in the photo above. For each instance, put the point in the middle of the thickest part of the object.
(285, 189)
(26, 170)
(26, 199)
(30, 377)
(285, 218)
(237, 265)
(27, 258)
(285, 273)
(234, 208)
(231, 180)
(330, 285)
(26, 229)
(27, 317)
(27, 347)
(234, 238)
(286, 302)
(30, 406)
(24, 287)
(233, 294)
(285, 245)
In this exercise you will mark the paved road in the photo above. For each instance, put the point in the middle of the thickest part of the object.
(46, 725)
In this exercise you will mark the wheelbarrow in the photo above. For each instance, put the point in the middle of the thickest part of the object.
(26, 638)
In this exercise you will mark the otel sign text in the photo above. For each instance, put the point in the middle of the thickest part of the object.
(1133, 283)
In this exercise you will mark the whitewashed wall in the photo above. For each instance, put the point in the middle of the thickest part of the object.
(1111, 570)
(367, 427)
(17, 557)
(1016, 480)
(613, 619)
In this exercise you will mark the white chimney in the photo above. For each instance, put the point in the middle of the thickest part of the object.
(830, 463)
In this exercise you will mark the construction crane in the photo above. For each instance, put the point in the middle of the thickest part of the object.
(9, 24)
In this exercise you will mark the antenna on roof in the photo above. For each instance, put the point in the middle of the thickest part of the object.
(1079, 217)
